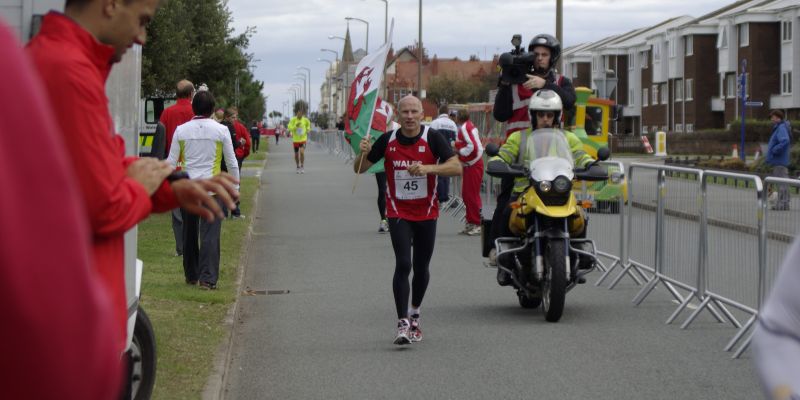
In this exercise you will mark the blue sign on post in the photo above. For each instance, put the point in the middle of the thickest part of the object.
(754, 103)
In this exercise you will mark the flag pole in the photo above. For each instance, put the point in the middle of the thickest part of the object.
(360, 161)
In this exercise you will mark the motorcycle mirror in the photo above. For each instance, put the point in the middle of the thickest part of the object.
(492, 149)
(603, 153)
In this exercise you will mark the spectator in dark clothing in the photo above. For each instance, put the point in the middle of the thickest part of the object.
(778, 156)
(255, 136)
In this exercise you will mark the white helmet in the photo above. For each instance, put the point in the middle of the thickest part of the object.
(546, 100)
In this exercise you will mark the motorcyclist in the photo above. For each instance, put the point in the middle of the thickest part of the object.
(545, 108)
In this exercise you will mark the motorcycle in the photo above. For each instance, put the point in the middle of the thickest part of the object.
(543, 261)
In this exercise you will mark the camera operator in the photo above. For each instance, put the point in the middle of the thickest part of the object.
(511, 102)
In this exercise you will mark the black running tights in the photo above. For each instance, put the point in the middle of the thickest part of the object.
(423, 235)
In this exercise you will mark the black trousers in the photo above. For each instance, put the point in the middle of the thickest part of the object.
(380, 178)
(201, 247)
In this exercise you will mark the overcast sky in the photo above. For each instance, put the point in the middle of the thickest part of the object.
(291, 33)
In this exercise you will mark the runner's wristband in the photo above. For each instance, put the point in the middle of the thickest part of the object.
(177, 175)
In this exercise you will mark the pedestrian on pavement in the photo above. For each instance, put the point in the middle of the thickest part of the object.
(242, 149)
(778, 156)
(177, 114)
(73, 54)
(448, 128)
(197, 153)
(255, 136)
(776, 339)
(55, 342)
(470, 153)
(299, 126)
(413, 157)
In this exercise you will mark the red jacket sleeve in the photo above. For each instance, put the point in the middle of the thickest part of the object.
(243, 133)
(56, 339)
(114, 202)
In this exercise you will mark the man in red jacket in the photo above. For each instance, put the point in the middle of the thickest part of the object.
(242, 151)
(73, 54)
(174, 116)
(56, 314)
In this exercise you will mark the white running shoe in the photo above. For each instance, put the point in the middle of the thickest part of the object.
(475, 230)
(298, 170)
(402, 338)
(415, 332)
(384, 226)
(302, 170)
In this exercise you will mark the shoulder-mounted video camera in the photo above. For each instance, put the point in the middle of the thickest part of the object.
(515, 64)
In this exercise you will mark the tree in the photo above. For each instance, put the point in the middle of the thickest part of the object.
(192, 39)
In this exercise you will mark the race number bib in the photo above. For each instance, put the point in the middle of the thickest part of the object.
(408, 187)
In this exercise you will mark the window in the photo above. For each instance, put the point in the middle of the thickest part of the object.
(689, 90)
(655, 94)
(607, 60)
(722, 37)
(671, 46)
(678, 128)
(645, 59)
(631, 101)
(744, 35)
(645, 97)
(786, 82)
(730, 80)
(631, 61)
(594, 63)
(645, 129)
(664, 94)
(656, 53)
(721, 86)
(689, 45)
(689, 128)
(786, 31)
(678, 90)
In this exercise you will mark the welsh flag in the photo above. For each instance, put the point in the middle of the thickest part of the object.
(366, 112)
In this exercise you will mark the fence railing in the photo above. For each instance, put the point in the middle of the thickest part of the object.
(715, 245)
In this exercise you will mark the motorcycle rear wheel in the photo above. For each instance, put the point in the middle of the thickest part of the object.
(554, 287)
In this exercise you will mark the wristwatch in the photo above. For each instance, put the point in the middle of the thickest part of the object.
(177, 175)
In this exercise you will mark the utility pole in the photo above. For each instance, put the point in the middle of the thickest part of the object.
(560, 25)
(419, 54)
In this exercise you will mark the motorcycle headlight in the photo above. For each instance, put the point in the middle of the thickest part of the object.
(616, 177)
(545, 186)
(562, 184)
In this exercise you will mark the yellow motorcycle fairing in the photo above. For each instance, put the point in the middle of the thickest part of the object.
(529, 202)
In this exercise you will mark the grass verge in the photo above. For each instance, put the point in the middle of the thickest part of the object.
(188, 322)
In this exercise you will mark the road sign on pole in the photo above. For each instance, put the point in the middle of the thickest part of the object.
(754, 103)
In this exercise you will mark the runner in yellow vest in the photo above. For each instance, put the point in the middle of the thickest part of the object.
(299, 126)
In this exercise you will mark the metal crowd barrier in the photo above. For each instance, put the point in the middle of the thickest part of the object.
(687, 232)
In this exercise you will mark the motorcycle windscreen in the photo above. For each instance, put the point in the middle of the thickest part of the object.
(549, 155)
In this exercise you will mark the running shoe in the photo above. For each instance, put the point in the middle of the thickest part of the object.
(298, 170)
(384, 226)
(402, 338)
(302, 170)
(475, 230)
(415, 332)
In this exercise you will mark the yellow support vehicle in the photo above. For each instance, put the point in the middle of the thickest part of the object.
(592, 121)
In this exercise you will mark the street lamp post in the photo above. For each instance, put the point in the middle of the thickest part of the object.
(336, 53)
(303, 77)
(361, 20)
(309, 86)
(328, 79)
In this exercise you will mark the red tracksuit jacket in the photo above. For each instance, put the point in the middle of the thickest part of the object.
(74, 67)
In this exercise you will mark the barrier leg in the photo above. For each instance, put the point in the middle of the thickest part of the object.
(603, 277)
(741, 333)
(683, 305)
(725, 311)
(646, 290)
(744, 346)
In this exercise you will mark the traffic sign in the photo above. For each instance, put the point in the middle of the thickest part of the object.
(754, 103)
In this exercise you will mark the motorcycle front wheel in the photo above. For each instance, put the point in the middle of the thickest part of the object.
(554, 287)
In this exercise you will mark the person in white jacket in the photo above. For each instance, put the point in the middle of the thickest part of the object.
(776, 341)
(199, 148)
(470, 153)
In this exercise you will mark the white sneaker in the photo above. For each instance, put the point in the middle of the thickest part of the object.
(302, 170)
(474, 231)
(493, 257)
(402, 338)
(298, 170)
